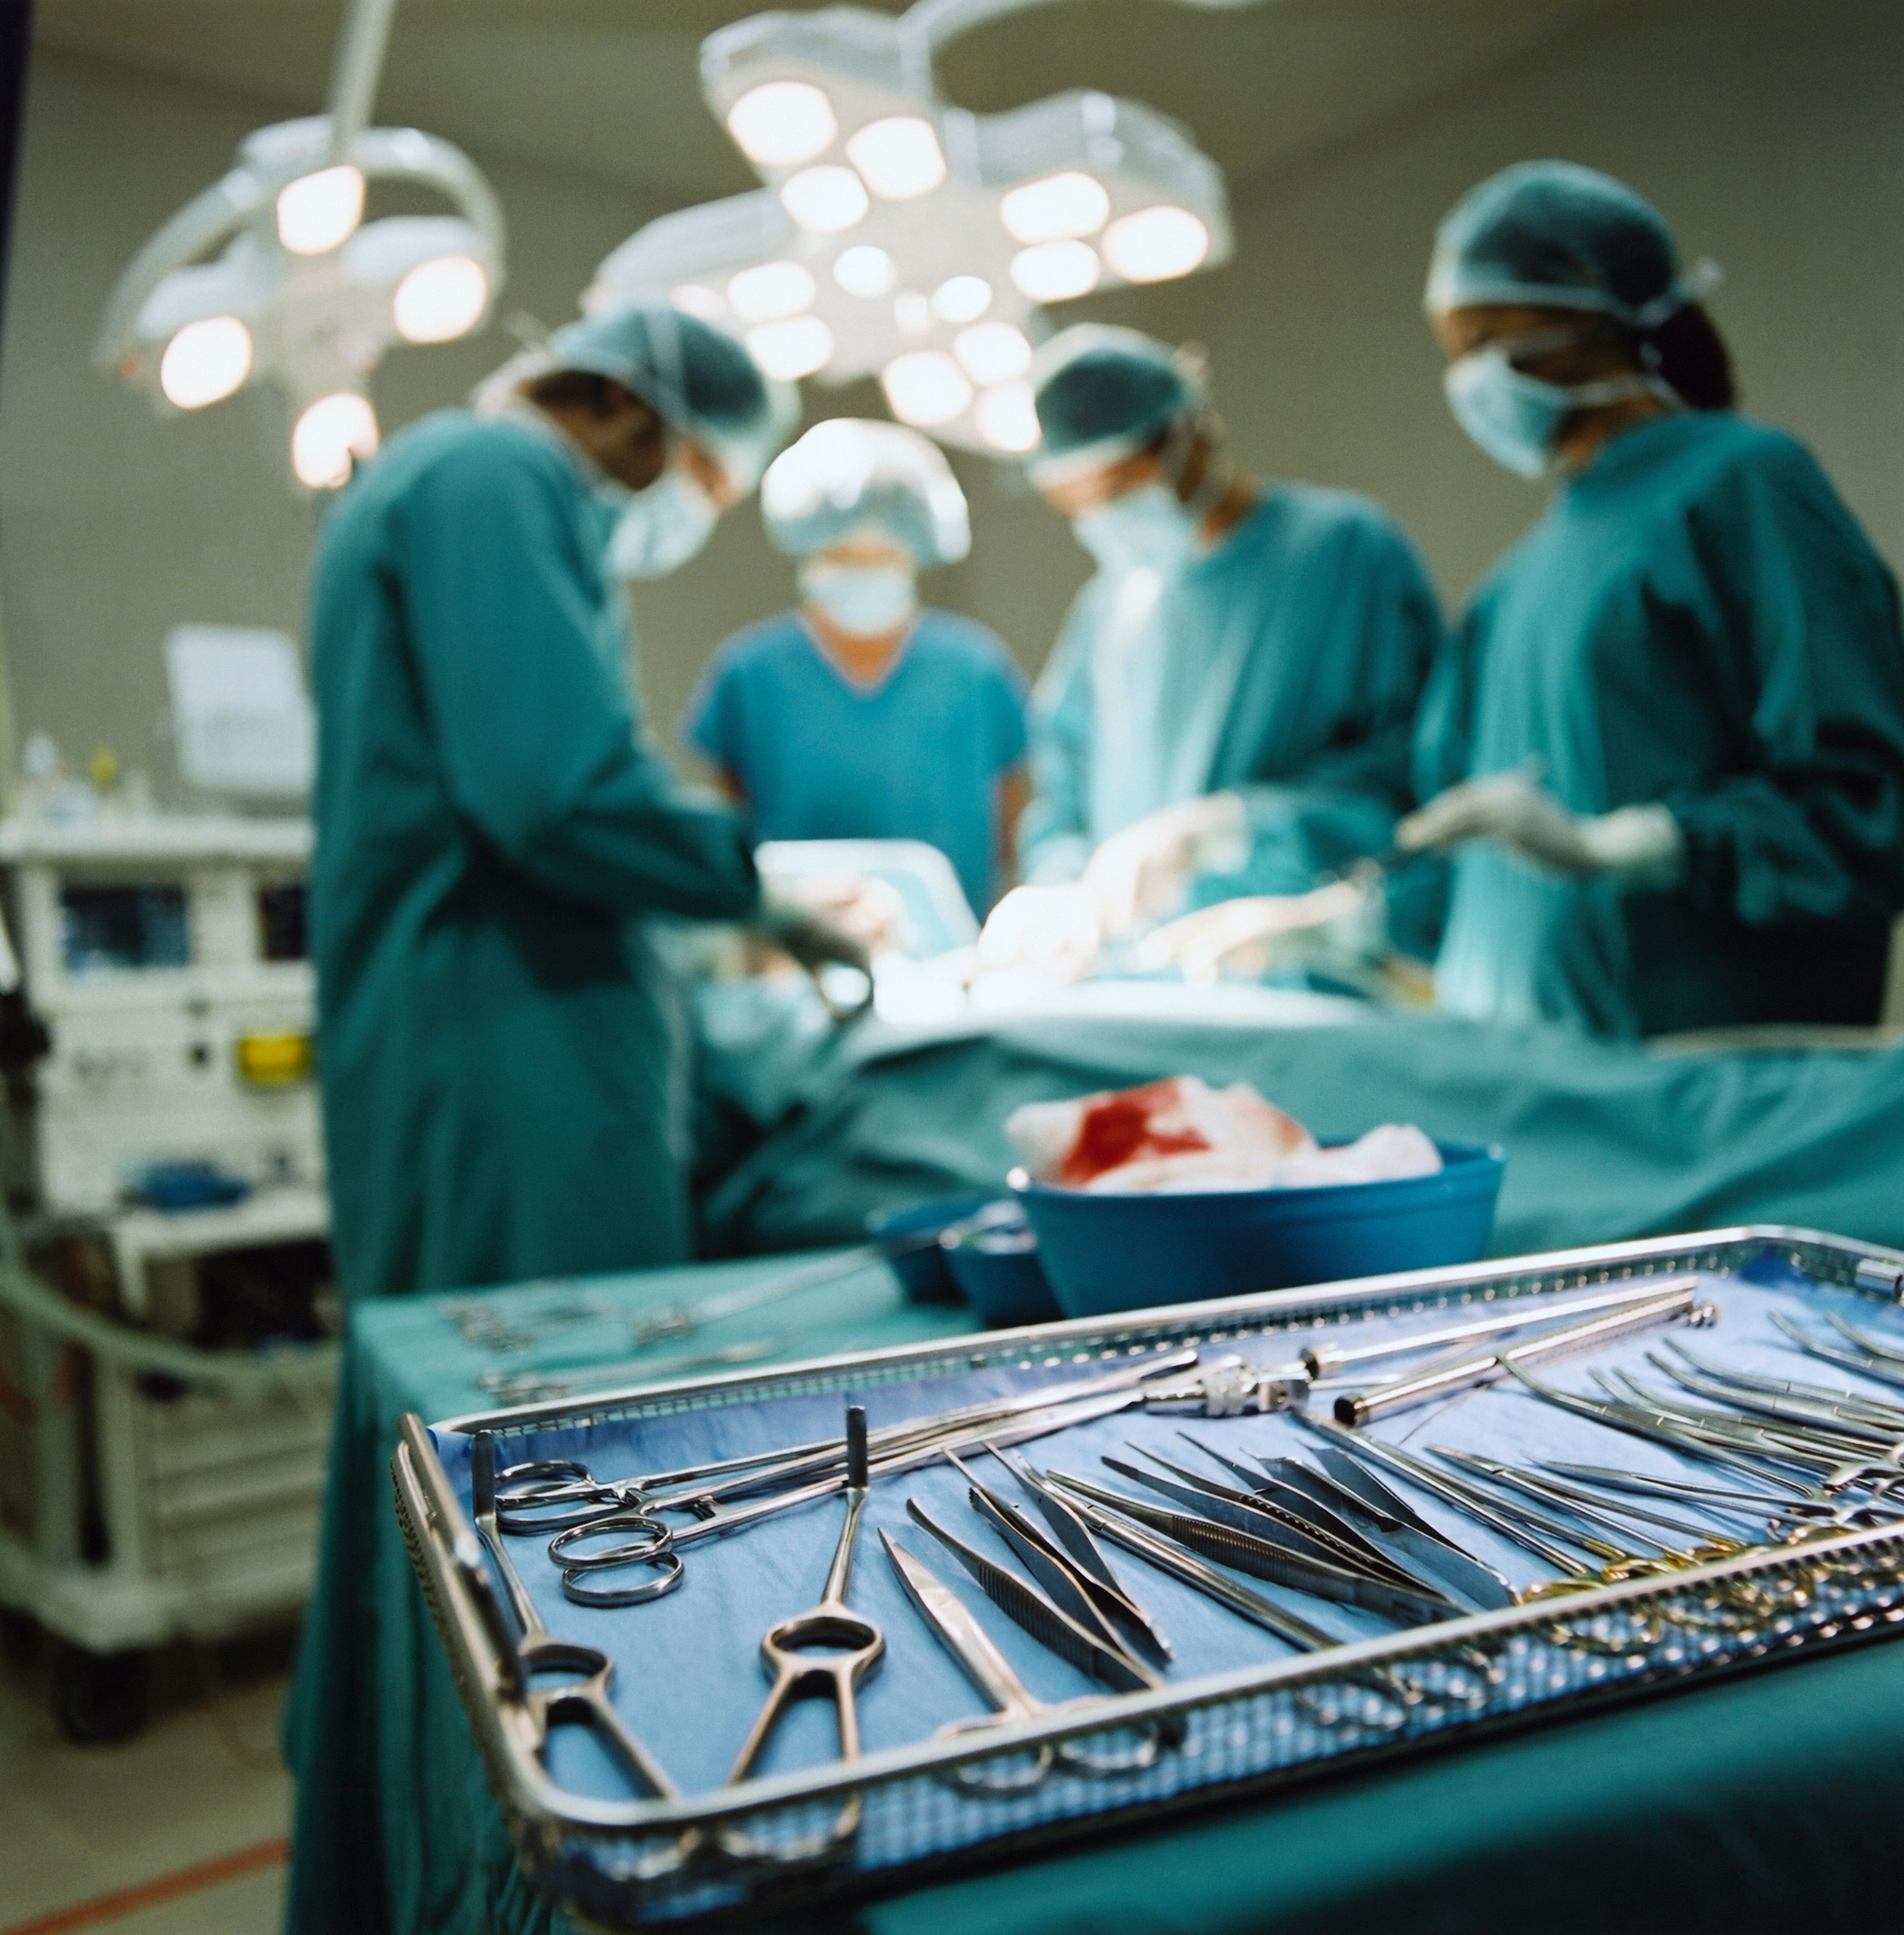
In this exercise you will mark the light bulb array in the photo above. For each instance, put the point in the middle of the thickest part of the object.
(301, 292)
(926, 240)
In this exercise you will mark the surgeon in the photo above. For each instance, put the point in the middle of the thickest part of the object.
(862, 714)
(1666, 745)
(499, 1074)
(1230, 702)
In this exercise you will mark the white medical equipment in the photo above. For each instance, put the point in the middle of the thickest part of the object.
(154, 1484)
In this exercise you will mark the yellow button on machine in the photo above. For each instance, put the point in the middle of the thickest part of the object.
(273, 1059)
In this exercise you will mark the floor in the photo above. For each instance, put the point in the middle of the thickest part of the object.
(177, 1831)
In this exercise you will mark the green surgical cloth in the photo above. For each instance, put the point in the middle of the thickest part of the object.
(497, 1046)
(1698, 621)
(1284, 664)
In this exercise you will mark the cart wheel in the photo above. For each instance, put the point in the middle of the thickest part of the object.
(98, 1698)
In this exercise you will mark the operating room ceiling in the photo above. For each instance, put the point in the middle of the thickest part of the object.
(609, 88)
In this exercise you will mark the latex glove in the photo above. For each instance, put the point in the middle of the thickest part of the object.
(862, 905)
(1141, 874)
(1244, 936)
(1639, 846)
(1052, 930)
(809, 936)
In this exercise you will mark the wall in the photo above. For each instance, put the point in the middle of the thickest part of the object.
(1769, 131)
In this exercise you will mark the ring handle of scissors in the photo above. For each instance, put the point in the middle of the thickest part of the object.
(649, 1551)
(855, 1646)
(1034, 1770)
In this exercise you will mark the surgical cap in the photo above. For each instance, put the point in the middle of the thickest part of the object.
(1557, 236)
(1104, 393)
(700, 380)
(846, 475)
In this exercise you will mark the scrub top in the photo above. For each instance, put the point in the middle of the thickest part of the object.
(1284, 664)
(917, 755)
(1697, 620)
(497, 1044)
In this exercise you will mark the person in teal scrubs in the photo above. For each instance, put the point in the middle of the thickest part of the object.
(497, 1058)
(1229, 705)
(862, 715)
(1666, 744)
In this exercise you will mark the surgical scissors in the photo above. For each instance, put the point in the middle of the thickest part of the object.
(554, 1494)
(829, 1650)
(582, 1702)
(657, 1544)
(988, 1670)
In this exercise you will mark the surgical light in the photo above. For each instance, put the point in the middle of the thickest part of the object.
(825, 200)
(899, 157)
(438, 301)
(925, 388)
(791, 348)
(961, 298)
(782, 124)
(1155, 244)
(774, 290)
(1059, 208)
(205, 362)
(993, 352)
(1007, 420)
(864, 270)
(332, 432)
(691, 299)
(1055, 271)
(272, 276)
(320, 212)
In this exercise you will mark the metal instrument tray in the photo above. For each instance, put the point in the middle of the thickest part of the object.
(1247, 1714)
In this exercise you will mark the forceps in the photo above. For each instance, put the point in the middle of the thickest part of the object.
(988, 1670)
(582, 1702)
(827, 1650)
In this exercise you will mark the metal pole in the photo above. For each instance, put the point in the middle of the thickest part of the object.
(359, 66)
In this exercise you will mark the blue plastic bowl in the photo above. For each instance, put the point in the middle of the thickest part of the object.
(1109, 1253)
(999, 1271)
(924, 1274)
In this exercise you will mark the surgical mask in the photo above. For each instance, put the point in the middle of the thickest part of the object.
(662, 527)
(1516, 418)
(864, 601)
(1150, 526)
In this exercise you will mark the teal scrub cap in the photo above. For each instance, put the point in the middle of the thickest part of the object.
(1559, 236)
(700, 382)
(1103, 394)
(847, 475)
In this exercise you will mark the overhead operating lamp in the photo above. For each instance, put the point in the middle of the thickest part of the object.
(900, 237)
(272, 275)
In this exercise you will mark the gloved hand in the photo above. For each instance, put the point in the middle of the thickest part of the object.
(1142, 873)
(1052, 930)
(1639, 847)
(1245, 936)
(806, 934)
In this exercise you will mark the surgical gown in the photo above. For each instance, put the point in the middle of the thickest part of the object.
(1697, 620)
(1284, 664)
(496, 1042)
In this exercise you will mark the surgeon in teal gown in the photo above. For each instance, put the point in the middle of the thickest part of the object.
(498, 1056)
(1229, 703)
(1666, 744)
